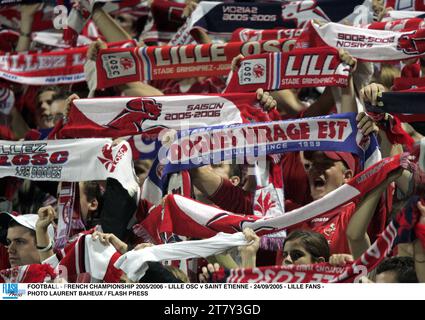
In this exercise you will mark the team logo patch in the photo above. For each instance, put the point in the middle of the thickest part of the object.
(252, 71)
(135, 113)
(412, 43)
(250, 35)
(118, 64)
(110, 162)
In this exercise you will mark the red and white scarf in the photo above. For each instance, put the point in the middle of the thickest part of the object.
(295, 69)
(68, 160)
(47, 68)
(86, 255)
(69, 216)
(134, 263)
(119, 66)
(245, 34)
(190, 218)
(118, 117)
(398, 25)
(365, 44)
(321, 272)
(33, 273)
(221, 19)
(164, 20)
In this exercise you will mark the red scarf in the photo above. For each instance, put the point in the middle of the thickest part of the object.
(47, 68)
(119, 66)
(87, 256)
(33, 273)
(190, 218)
(245, 34)
(118, 117)
(296, 69)
(321, 272)
(365, 44)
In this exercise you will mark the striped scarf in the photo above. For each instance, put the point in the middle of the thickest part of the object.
(118, 66)
(190, 218)
(295, 69)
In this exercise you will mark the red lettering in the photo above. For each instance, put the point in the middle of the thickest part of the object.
(323, 129)
(304, 131)
(293, 132)
(21, 160)
(341, 125)
(279, 133)
(332, 130)
(4, 161)
(59, 157)
(40, 159)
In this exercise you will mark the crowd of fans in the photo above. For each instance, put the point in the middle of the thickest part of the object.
(108, 212)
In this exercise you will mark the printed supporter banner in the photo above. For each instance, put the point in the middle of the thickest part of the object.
(365, 44)
(118, 117)
(295, 69)
(398, 25)
(246, 34)
(190, 218)
(119, 66)
(48, 68)
(222, 18)
(319, 272)
(201, 146)
(68, 160)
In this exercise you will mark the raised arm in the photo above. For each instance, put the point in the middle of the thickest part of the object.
(357, 236)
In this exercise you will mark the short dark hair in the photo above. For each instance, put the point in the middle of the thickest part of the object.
(42, 89)
(13, 223)
(314, 243)
(93, 191)
(404, 268)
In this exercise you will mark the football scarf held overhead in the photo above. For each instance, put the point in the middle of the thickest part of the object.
(365, 44)
(118, 117)
(47, 68)
(295, 69)
(134, 263)
(165, 19)
(320, 272)
(86, 255)
(195, 147)
(190, 218)
(33, 273)
(407, 105)
(68, 160)
(119, 66)
(222, 18)
(246, 34)
(398, 25)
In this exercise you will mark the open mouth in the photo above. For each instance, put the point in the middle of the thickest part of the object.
(319, 182)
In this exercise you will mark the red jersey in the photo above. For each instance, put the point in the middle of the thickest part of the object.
(333, 225)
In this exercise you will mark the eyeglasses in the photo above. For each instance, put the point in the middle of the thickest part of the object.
(294, 254)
